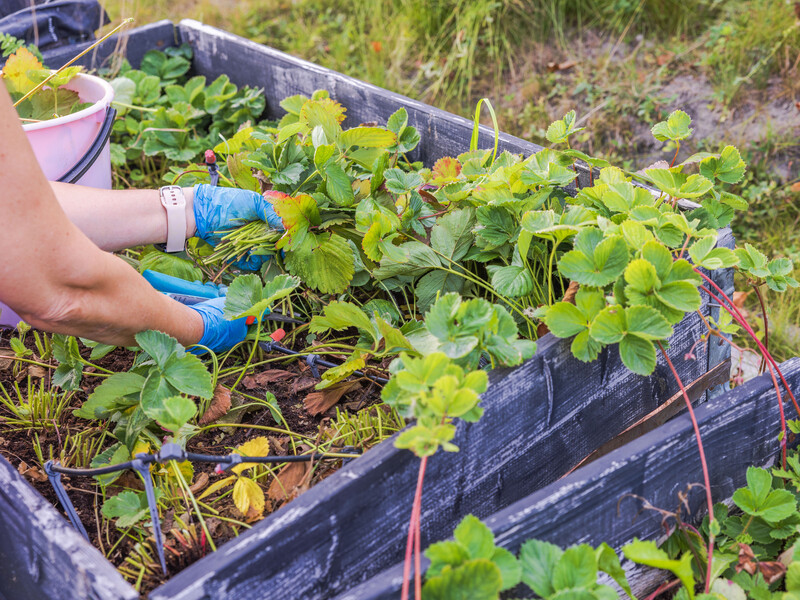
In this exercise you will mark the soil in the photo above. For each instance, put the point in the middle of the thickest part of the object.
(290, 381)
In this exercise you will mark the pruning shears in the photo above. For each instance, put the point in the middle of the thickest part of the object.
(193, 292)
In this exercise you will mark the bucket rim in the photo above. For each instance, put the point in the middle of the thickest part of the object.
(100, 105)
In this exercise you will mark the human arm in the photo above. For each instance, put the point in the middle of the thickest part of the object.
(118, 219)
(54, 276)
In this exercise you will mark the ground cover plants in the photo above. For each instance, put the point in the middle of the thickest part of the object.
(756, 554)
(419, 275)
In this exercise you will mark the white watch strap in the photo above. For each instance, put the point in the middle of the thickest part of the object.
(174, 202)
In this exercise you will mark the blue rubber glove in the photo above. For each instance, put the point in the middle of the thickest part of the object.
(219, 334)
(219, 208)
(175, 285)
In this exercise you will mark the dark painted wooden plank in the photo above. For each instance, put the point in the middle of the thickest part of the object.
(133, 44)
(738, 428)
(541, 419)
(280, 75)
(42, 556)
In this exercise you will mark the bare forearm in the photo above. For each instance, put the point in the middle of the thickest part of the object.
(119, 219)
(54, 276)
(88, 304)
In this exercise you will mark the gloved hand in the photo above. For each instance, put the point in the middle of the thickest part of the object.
(219, 208)
(219, 334)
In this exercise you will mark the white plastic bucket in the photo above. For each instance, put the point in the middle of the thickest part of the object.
(61, 144)
(74, 148)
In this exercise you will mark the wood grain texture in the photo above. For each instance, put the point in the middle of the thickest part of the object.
(132, 44)
(738, 428)
(42, 556)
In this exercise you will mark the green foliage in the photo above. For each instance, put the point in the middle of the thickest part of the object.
(164, 115)
(675, 128)
(649, 554)
(151, 391)
(128, 508)
(434, 390)
(69, 372)
(465, 558)
(247, 297)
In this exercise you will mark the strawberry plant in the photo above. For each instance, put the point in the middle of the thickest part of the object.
(23, 72)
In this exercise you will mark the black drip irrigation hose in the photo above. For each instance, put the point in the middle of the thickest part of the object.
(141, 464)
(312, 360)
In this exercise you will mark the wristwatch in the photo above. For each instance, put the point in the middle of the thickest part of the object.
(174, 202)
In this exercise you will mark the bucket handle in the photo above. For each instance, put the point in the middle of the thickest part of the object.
(89, 158)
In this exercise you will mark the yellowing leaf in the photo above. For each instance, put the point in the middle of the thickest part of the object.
(248, 495)
(256, 447)
(216, 486)
(445, 170)
(16, 70)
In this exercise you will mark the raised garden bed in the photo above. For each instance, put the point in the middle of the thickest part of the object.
(541, 419)
(596, 503)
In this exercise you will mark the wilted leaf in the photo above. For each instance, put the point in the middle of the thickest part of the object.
(220, 405)
(319, 401)
(289, 478)
(269, 376)
(258, 446)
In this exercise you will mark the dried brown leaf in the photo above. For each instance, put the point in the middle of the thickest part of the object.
(747, 560)
(202, 481)
(33, 473)
(572, 289)
(560, 66)
(219, 407)
(301, 384)
(772, 571)
(321, 400)
(261, 379)
(36, 371)
(289, 479)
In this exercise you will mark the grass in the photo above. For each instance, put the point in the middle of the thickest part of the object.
(622, 55)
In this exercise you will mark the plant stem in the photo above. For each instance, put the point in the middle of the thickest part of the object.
(704, 465)
(759, 295)
(413, 525)
(734, 312)
(674, 158)
(249, 358)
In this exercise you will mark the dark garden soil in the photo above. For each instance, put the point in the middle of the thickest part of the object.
(305, 411)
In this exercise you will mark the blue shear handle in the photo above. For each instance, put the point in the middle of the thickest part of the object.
(174, 285)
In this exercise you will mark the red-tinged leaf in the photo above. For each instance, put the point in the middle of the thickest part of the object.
(320, 401)
(219, 407)
(445, 170)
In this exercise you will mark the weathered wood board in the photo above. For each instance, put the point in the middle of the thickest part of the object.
(739, 429)
(42, 556)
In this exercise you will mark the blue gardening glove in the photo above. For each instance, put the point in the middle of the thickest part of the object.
(219, 334)
(175, 285)
(219, 208)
